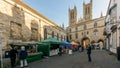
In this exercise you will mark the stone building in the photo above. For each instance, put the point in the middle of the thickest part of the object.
(85, 30)
(21, 23)
(112, 26)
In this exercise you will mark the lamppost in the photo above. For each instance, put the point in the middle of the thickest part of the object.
(1, 50)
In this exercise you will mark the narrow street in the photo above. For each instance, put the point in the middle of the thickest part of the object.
(100, 59)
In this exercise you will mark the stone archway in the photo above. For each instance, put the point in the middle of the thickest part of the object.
(85, 42)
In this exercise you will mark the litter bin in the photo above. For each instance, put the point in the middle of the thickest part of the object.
(118, 53)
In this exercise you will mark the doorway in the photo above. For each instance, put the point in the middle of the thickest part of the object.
(85, 42)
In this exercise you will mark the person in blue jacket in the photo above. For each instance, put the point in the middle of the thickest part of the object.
(22, 57)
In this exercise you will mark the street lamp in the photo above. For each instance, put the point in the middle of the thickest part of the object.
(1, 50)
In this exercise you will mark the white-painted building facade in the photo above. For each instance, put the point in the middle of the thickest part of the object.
(112, 23)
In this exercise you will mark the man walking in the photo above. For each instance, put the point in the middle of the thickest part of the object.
(89, 52)
(13, 56)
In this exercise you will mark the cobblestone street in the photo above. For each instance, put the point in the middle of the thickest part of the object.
(100, 59)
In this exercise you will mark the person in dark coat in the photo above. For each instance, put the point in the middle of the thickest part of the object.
(22, 57)
(89, 52)
(60, 51)
(13, 56)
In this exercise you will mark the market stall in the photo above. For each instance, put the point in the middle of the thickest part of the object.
(75, 45)
(31, 48)
(49, 46)
(66, 46)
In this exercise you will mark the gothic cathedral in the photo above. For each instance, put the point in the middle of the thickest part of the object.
(85, 30)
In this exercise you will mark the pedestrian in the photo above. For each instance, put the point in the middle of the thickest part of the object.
(22, 57)
(89, 52)
(79, 48)
(82, 48)
(13, 56)
(60, 51)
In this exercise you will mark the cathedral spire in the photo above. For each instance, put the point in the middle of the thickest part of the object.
(91, 1)
(63, 25)
(101, 14)
(83, 2)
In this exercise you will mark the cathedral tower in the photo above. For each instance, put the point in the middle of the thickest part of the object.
(87, 11)
(73, 16)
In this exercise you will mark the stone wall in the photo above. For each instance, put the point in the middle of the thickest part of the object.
(20, 22)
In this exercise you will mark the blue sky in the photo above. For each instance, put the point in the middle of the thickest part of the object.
(57, 10)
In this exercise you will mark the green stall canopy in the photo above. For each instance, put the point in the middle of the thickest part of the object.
(51, 41)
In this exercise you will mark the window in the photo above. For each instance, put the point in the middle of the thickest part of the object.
(45, 33)
(70, 37)
(88, 10)
(76, 35)
(70, 30)
(95, 32)
(85, 27)
(82, 33)
(64, 37)
(61, 38)
(76, 29)
(34, 31)
(95, 25)
(57, 36)
(87, 32)
(53, 34)
(15, 30)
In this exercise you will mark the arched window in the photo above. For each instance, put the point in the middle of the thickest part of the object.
(64, 38)
(87, 32)
(95, 32)
(76, 35)
(70, 30)
(88, 10)
(61, 38)
(34, 30)
(85, 27)
(95, 25)
(57, 36)
(45, 33)
(70, 37)
(53, 34)
(76, 28)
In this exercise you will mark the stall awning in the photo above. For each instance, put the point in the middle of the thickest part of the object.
(65, 43)
(52, 41)
(74, 43)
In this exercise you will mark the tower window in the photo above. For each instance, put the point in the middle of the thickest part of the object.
(87, 32)
(82, 33)
(85, 27)
(95, 32)
(70, 30)
(76, 29)
(95, 25)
